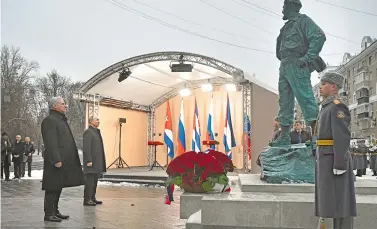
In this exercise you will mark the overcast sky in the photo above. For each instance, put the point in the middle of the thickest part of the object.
(79, 38)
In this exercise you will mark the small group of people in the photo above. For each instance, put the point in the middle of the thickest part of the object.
(360, 152)
(19, 152)
(62, 165)
(298, 134)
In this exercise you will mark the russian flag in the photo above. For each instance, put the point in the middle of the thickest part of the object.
(168, 133)
(229, 140)
(209, 135)
(196, 130)
(181, 132)
(247, 135)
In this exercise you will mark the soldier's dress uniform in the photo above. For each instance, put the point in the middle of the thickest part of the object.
(360, 159)
(373, 160)
(334, 184)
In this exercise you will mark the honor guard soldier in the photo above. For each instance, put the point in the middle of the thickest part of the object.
(373, 160)
(334, 184)
(360, 162)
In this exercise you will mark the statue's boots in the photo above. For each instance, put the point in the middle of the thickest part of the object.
(284, 138)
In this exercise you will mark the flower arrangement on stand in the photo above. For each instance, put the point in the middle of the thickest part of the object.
(198, 172)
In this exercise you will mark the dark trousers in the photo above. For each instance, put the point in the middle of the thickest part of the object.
(90, 189)
(5, 169)
(24, 167)
(51, 202)
(17, 168)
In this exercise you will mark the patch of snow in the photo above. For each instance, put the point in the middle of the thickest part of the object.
(35, 175)
(126, 184)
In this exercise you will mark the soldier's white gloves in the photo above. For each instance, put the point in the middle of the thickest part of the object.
(339, 172)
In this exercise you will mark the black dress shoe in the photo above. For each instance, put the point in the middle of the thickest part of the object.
(89, 203)
(52, 219)
(97, 201)
(61, 216)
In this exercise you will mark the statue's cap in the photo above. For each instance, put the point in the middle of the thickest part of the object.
(334, 78)
(293, 1)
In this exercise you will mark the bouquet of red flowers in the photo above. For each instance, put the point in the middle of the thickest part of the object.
(199, 172)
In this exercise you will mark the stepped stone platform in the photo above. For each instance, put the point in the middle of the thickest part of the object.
(254, 204)
(253, 183)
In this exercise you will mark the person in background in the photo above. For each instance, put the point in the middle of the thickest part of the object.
(94, 161)
(28, 157)
(17, 159)
(6, 151)
(276, 129)
(61, 162)
(298, 135)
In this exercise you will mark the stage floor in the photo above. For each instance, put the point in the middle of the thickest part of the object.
(140, 171)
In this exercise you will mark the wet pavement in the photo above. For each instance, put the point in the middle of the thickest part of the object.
(124, 207)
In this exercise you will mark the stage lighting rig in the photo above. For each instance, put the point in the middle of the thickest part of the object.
(124, 74)
(181, 66)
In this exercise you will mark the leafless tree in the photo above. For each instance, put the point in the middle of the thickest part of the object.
(53, 84)
(16, 75)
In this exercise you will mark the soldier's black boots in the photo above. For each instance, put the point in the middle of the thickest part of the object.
(374, 173)
(359, 173)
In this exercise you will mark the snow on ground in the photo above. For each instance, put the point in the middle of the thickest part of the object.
(35, 175)
(126, 184)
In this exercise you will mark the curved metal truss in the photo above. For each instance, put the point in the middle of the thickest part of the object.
(191, 85)
(163, 56)
(238, 79)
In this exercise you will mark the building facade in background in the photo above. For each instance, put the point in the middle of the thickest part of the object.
(359, 90)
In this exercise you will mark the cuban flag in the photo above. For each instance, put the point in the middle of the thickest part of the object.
(247, 135)
(229, 140)
(168, 133)
(209, 135)
(181, 132)
(196, 130)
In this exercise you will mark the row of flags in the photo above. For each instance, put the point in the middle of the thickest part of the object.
(228, 138)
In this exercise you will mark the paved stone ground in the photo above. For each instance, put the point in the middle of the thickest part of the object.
(22, 207)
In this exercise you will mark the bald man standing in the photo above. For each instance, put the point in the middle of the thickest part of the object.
(18, 152)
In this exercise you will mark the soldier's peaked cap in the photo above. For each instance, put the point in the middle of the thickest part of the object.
(298, 2)
(334, 78)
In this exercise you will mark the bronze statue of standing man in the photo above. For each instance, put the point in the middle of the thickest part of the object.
(298, 47)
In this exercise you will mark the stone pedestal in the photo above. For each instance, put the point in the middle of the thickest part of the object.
(288, 164)
(259, 205)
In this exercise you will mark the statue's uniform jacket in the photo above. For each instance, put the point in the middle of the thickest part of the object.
(334, 194)
(300, 38)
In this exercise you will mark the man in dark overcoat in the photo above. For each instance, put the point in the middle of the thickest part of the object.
(6, 151)
(62, 167)
(28, 156)
(94, 161)
(298, 135)
(18, 156)
(334, 185)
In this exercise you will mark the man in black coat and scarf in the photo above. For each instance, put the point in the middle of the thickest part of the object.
(94, 161)
(18, 156)
(6, 151)
(62, 166)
